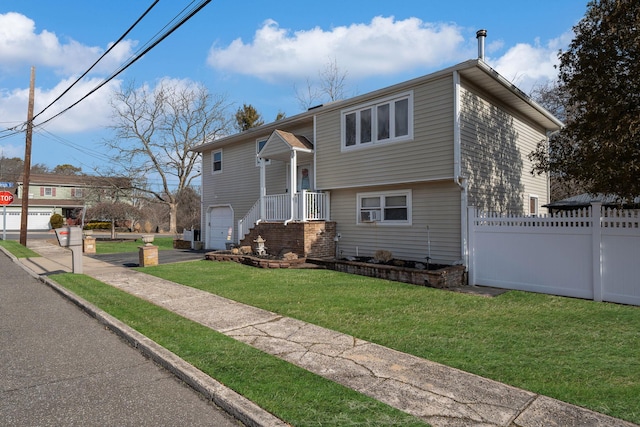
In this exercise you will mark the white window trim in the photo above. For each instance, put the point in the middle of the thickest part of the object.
(382, 194)
(258, 141)
(213, 156)
(50, 190)
(373, 105)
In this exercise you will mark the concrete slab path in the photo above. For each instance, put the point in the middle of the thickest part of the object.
(439, 395)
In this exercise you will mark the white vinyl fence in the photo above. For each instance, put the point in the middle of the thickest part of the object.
(592, 253)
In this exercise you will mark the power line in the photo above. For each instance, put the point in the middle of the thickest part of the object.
(99, 59)
(133, 60)
(140, 53)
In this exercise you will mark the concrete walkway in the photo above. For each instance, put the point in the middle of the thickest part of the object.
(439, 395)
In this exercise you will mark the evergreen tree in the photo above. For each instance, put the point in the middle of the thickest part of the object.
(600, 74)
(248, 117)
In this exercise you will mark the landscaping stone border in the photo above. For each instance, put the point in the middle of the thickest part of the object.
(448, 277)
(452, 276)
(254, 261)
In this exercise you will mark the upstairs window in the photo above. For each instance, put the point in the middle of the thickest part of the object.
(76, 192)
(388, 120)
(216, 161)
(48, 191)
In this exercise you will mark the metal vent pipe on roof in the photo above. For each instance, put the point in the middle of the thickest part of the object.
(481, 35)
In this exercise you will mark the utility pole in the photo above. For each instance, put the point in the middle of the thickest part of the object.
(24, 216)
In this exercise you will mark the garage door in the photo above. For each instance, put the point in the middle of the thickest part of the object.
(38, 219)
(220, 230)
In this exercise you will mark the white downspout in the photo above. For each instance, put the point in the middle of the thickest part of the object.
(263, 190)
(204, 219)
(460, 181)
(315, 138)
(294, 184)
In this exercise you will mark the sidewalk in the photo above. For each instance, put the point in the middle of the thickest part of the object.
(439, 395)
(62, 368)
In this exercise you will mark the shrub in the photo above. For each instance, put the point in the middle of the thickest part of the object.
(383, 256)
(57, 221)
(98, 225)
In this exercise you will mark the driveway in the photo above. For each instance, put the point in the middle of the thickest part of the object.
(131, 259)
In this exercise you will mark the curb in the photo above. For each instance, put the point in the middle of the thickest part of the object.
(247, 412)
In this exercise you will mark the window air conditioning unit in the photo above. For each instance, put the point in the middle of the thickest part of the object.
(369, 216)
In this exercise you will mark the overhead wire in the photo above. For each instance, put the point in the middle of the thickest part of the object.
(134, 59)
(99, 59)
(139, 54)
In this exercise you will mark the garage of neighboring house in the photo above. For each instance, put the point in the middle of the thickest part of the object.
(219, 227)
(38, 218)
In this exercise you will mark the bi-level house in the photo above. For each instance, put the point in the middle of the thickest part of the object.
(394, 169)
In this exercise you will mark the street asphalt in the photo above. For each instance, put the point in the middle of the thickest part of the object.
(62, 368)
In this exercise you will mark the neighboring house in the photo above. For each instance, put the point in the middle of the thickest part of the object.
(66, 195)
(585, 200)
(394, 169)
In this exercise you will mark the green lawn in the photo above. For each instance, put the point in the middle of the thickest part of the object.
(17, 249)
(578, 351)
(291, 393)
(108, 247)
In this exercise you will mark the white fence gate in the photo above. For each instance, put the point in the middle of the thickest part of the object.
(592, 253)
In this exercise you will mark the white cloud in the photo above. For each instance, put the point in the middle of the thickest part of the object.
(383, 46)
(528, 65)
(20, 45)
(10, 151)
(92, 113)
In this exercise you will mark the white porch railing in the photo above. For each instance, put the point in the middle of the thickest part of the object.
(307, 206)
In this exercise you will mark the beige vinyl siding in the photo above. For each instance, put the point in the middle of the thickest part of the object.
(436, 205)
(429, 156)
(495, 144)
(238, 185)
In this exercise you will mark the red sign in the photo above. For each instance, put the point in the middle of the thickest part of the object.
(5, 198)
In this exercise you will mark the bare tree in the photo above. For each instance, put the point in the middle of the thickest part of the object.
(155, 131)
(189, 208)
(113, 212)
(331, 86)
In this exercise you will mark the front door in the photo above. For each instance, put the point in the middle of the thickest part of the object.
(304, 178)
(220, 230)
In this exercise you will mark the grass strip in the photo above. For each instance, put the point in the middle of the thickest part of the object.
(17, 249)
(293, 394)
(109, 247)
(578, 351)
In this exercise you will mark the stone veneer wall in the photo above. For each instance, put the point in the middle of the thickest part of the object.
(448, 277)
(305, 239)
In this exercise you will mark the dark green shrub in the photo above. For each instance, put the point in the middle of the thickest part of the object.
(56, 221)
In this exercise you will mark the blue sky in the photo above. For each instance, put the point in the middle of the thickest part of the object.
(259, 54)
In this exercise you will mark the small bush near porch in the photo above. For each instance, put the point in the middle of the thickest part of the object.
(577, 351)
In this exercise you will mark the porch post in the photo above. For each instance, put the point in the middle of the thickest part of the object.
(263, 189)
(294, 183)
